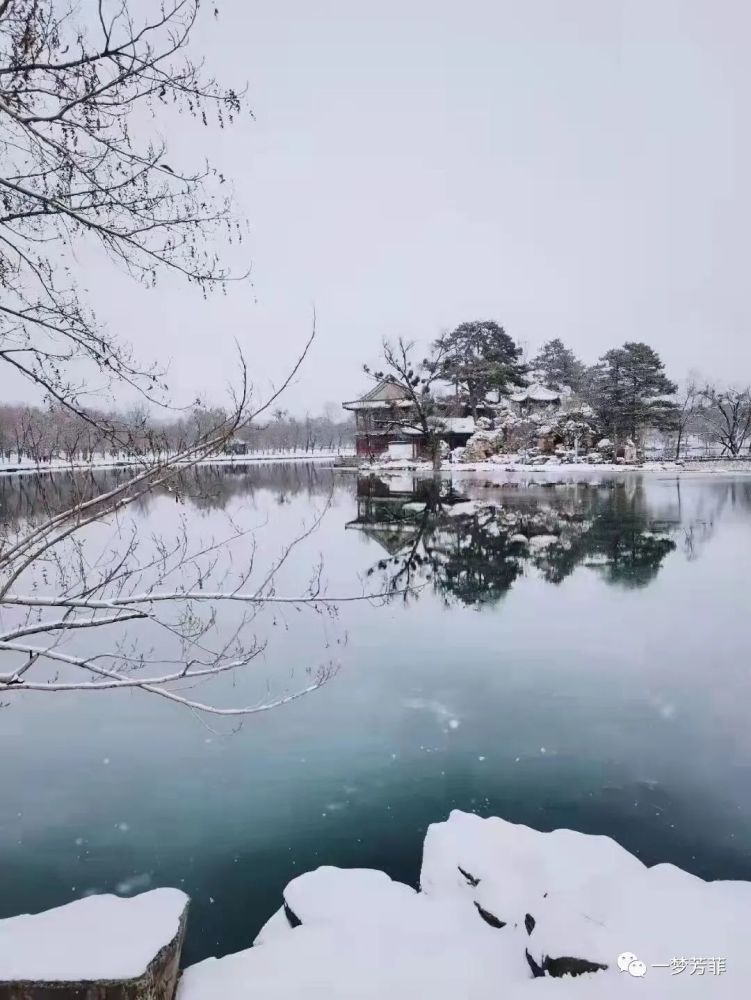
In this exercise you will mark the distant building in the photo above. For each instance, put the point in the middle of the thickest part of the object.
(535, 398)
(386, 424)
(235, 447)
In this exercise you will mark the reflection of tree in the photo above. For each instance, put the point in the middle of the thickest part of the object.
(616, 534)
(471, 561)
(474, 558)
(208, 487)
(465, 558)
(633, 546)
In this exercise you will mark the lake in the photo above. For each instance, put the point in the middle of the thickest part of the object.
(596, 677)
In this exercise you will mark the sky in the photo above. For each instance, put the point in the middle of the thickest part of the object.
(568, 168)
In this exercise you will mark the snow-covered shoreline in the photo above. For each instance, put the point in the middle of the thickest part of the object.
(504, 464)
(502, 912)
(253, 458)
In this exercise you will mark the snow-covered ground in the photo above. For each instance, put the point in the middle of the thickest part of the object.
(503, 911)
(107, 462)
(99, 937)
(503, 463)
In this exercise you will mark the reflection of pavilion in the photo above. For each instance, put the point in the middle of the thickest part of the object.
(390, 510)
(474, 554)
(380, 510)
(391, 536)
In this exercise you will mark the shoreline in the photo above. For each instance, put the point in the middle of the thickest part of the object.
(28, 469)
(720, 467)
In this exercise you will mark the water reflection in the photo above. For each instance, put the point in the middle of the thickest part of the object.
(207, 487)
(473, 552)
(617, 655)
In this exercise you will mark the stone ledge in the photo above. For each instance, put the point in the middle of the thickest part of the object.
(157, 982)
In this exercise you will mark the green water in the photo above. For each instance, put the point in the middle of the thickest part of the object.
(600, 683)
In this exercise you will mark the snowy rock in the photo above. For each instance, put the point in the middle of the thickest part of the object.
(482, 445)
(542, 541)
(331, 895)
(423, 948)
(505, 911)
(275, 927)
(129, 948)
(514, 864)
(660, 911)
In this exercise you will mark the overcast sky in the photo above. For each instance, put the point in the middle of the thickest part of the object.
(572, 168)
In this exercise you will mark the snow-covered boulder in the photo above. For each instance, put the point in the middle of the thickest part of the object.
(330, 895)
(538, 542)
(584, 900)
(362, 936)
(100, 946)
(483, 444)
(503, 913)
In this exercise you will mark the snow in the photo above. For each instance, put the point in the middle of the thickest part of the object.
(511, 463)
(331, 895)
(376, 404)
(458, 425)
(538, 862)
(365, 936)
(276, 926)
(538, 542)
(390, 946)
(469, 508)
(101, 462)
(536, 393)
(98, 937)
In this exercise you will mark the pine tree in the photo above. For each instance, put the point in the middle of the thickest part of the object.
(478, 358)
(630, 391)
(559, 366)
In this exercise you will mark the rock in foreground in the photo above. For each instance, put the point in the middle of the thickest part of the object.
(102, 947)
(504, 912)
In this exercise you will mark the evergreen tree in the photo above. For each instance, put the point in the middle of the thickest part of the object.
(478, 358)
(559, 366)
(630, 391)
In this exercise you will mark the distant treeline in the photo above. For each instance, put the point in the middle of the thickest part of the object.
(41, 435)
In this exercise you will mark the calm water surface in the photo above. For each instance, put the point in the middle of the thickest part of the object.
(599, 682)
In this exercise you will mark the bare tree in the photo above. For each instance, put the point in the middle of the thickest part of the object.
(78, 166)
(726, 414)
(416, 379)
(685, 413)
(86, 568)
(79, 163)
